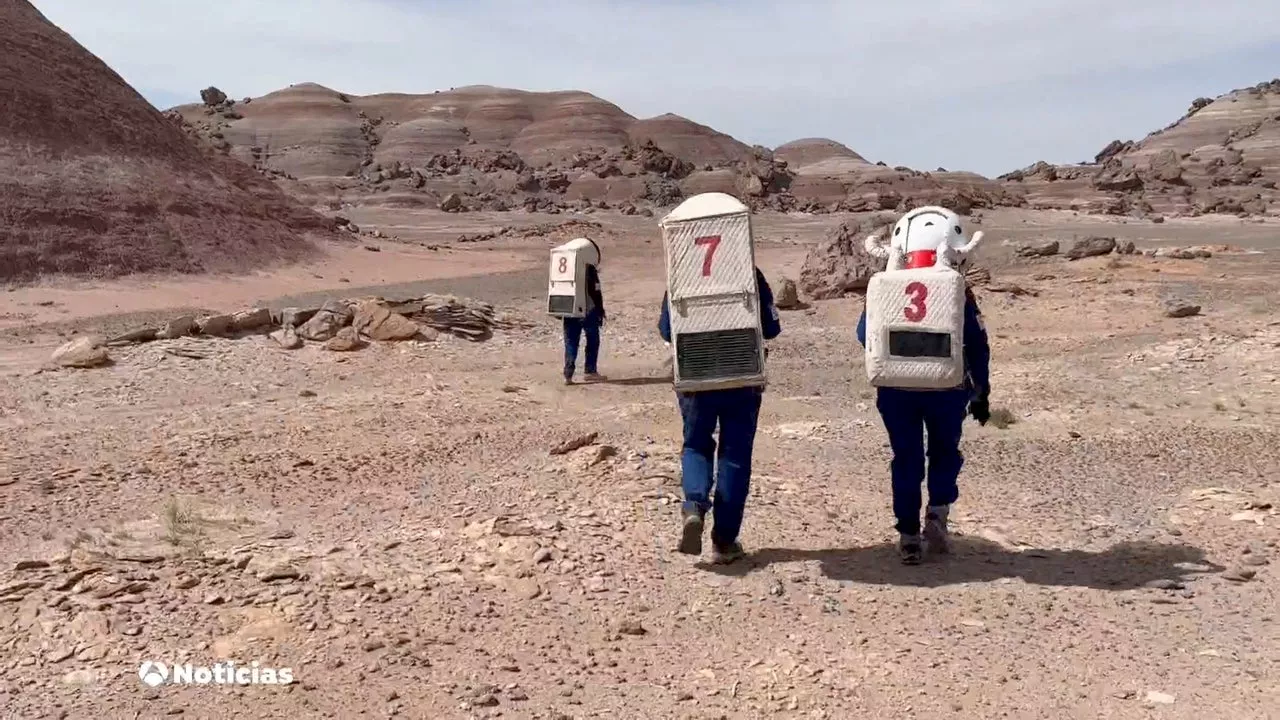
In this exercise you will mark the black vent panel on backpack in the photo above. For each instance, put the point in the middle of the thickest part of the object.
(914, 344)
(718, 354)
(560, 304)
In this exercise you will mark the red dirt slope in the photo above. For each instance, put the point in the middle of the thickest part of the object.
(96, 182)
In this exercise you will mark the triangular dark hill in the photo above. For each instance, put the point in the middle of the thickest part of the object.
(96, 182)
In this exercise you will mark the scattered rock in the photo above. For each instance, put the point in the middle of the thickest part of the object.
(326, 323)
(631, 626)
(82, 352)
(1159, 698)
(1091, 247)
(215, 325)
(346, 340)
(788, 295)
(1011, 288)
(841, 264)
(1178, 308)
(377, 322)
(287, 338)
(293, 317)
(178, 327)
(451, 203)
(572, 444)
(140, 335)
(212, 96)
(253, 319)
(1239, 574)
(279, 571)
(81, 677)
(1042, 248)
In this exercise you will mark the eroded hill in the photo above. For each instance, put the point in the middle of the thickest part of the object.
(96, 182)
(1222, 156)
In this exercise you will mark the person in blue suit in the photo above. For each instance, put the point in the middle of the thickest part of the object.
(589, 325)
(908, 413)
(719, 479)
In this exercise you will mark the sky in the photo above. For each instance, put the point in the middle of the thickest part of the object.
(982, 85)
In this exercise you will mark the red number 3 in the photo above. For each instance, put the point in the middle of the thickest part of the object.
(916, 311)
(712, 242)
(564, 264)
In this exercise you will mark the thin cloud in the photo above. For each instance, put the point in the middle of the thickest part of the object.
(987, 86)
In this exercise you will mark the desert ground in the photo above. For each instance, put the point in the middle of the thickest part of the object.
(393, 525)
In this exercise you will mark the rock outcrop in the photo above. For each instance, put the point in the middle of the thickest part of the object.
(1222, 156)
(840, 264)
(486, 148)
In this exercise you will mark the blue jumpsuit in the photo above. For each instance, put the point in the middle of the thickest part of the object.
(575, 328)
(737, 410)
(907, 413)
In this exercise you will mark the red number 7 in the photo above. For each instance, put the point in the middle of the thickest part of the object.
(712, 242)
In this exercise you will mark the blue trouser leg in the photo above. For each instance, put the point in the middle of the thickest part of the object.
(944, 415)
(903, 416)
(591, 328)
(739, 412)
(697, 461)
(572, 334)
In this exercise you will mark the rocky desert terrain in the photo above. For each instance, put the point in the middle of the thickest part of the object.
(311, 417)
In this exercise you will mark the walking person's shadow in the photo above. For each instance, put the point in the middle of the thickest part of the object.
(1123, 566)
(661, 380)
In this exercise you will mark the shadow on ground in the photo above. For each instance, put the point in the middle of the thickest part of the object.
(638, 381)
(1121, 567)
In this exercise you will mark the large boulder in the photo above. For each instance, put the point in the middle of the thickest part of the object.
(788, 296)
(1091, 247)
(840, 264)
(82, 352)
(377, 322)
(212, 96)
(326, 323)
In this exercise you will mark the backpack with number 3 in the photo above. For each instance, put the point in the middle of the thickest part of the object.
(916, 307)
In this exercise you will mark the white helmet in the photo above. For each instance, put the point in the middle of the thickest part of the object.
(925, 237)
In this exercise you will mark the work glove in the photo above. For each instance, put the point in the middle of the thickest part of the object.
(980, 409)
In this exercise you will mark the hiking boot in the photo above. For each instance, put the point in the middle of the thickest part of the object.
(910, 549)
(690, 533)
(725, 553)
(935, 533)
(568, 379)
(594, 377)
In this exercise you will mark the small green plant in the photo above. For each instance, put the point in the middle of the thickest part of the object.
(182, 524)
(1002, 418)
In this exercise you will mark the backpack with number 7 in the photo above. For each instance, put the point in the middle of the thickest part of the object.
(713, 298)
